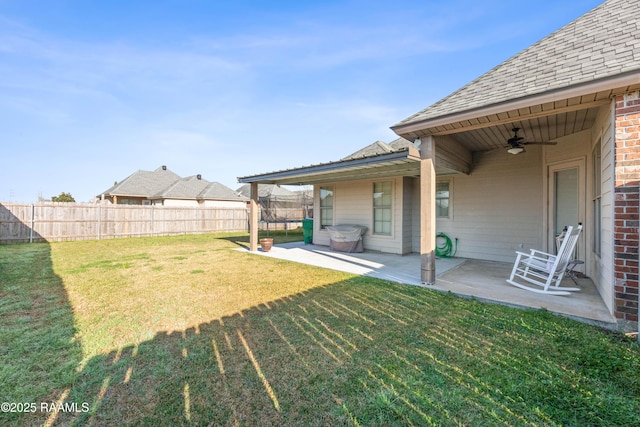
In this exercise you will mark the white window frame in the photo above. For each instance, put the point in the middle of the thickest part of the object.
(322, 208)
(449, 215)
(382, 207)
(596, 199)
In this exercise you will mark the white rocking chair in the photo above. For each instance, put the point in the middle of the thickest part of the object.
(544, 270)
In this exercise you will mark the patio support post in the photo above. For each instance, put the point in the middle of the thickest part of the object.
(427, 211)
(253, 218)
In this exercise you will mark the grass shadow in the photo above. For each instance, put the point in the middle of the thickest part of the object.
(260, 341)
(366, 352)
(39, 354)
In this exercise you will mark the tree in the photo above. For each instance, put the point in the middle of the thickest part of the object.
(63, 197)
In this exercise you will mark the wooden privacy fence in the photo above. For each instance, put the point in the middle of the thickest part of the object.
(76, 221)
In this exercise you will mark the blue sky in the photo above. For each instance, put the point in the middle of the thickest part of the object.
(92, 91)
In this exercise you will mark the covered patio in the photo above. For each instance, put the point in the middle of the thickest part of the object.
(483, 280)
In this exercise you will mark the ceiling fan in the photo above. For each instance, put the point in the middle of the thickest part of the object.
(515, 145)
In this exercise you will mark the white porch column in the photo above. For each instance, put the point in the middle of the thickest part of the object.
(428, 211)
(253, 218)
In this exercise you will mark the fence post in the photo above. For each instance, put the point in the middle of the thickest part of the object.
(99, 221)
(33, 212)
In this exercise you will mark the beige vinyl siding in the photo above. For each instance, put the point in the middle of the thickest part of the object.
(353, 204)
(602, 269)
(498, 207)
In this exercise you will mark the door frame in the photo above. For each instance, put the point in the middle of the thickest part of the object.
(549, 189)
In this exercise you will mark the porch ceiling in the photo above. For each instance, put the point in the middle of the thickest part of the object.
(539, 129)
(541, 118)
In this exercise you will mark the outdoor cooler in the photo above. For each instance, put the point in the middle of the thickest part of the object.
(346, 238)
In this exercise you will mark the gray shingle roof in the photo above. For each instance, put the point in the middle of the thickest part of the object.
(268, 191)
(604, 42)
(193, 187)
(400, 144)
(217, 191)
(144, 183)
(184, 188)
(164, 184)
(378, 148)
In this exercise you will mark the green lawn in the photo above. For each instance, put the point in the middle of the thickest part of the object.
(188, 331)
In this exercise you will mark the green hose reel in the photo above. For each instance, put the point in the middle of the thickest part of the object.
(445, 247)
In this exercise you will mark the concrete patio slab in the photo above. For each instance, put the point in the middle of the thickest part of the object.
(484, 280)
(395, 268)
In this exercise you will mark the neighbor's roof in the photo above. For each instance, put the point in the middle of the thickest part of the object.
(197, 188)
(379, 147)
(164, 184)
(215, 190)
(600, 44)
(144, 183)
(267, 191)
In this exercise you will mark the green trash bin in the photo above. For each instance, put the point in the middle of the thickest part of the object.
(307, 230)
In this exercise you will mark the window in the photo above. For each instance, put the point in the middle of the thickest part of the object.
(597, 198)
(443, 199)
(382, 199)
(129, 202)
(326, 207)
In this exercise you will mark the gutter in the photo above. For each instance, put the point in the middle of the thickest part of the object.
(408, 154)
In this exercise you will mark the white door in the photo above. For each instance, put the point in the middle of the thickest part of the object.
(567, 200)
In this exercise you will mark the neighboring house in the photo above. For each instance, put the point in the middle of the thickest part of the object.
(578, 87)
(163, 187)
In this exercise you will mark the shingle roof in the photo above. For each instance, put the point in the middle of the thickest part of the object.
(144, 183)
(194, 187)
(267, 191)
(400, 144)
(215, 190)
(378, 148)
(184, 188)
(604, 42)
(164, 184)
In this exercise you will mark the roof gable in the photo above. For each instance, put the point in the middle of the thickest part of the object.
(377, 147)
(602, 43)
(380, 147)
(144, 183)
(215, 190)
(185, 188)
(164, 184)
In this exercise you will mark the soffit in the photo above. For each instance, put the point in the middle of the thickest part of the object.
(550, 118)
